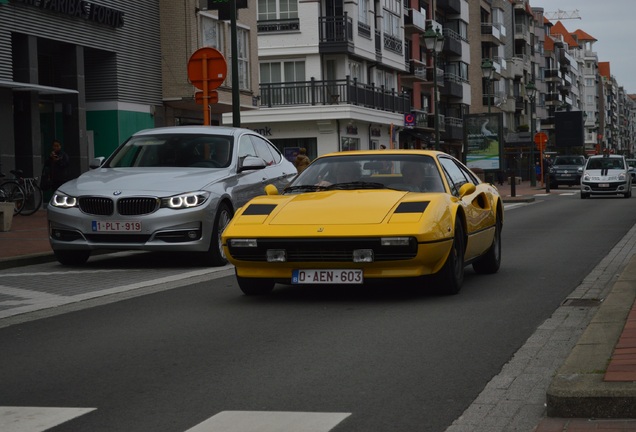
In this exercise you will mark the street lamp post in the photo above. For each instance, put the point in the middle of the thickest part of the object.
(434, 42)
(487, 69)
(531, 91)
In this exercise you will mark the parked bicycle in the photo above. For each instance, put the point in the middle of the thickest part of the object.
(11, 191)
(32, 192)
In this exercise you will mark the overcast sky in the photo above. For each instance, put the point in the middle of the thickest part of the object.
(612, 23)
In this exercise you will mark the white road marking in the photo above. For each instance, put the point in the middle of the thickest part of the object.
(36, 419)
(264, 421)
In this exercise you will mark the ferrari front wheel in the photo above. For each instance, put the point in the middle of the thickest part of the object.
(254, 286)
(450, 278)
(491, 260)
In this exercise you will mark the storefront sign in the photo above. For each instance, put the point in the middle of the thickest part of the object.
(80, 9)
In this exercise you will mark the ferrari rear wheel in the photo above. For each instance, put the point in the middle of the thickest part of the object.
(451, 276)
(254, 286)
(490, 262)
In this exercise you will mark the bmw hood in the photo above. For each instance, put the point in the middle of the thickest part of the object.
(334, 207)
(142, 181)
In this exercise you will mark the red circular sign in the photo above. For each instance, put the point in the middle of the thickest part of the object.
(208, 62)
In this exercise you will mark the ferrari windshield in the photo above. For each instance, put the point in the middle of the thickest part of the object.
(174, 150)
(407, 172)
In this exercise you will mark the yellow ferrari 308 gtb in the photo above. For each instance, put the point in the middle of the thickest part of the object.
(358, 216)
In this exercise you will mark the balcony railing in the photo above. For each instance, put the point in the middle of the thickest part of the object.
(275, 26)
(332, 92)
(335, 35)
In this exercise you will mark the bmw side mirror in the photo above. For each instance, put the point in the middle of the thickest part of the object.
(251, 163)
(97, 162)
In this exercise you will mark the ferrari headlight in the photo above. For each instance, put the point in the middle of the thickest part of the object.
(63, 201)
(363, 255)
(185, 200)
(276, 255)
(394, 241)
(243, 243)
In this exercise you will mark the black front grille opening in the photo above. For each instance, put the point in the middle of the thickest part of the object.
(65, 235)
(179, 236)
(304, 250)
(137, 206)
(97, 206)
(118, 238)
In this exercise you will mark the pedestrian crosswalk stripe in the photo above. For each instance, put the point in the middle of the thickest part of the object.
(270, 421)
(36, 419)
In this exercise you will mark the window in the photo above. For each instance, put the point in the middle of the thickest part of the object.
(243, 42)
(211, 32)
(363, 11)
(266, 151)
(243, 58)
(456, 175)
(355, 71)
(348, 143)
(288, 82)
(277, 9)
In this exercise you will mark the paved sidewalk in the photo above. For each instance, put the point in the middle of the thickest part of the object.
(513, 400)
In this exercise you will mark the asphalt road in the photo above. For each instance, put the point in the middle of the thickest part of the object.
(386, 358)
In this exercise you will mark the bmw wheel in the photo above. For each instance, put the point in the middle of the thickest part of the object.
(215, 256)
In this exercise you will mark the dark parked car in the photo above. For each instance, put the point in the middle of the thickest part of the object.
(566, 170)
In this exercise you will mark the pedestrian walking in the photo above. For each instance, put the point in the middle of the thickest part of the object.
(302, 160)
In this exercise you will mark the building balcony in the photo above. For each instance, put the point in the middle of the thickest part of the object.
(416, 72)
(453, 86)
(452, 43)
(490, 33)
(414, 22)
(453, 129)
(522, 32)
(278, 26)
(450, 6)
(551, 75)
(335, 35)
(333, 92)
(391, 43)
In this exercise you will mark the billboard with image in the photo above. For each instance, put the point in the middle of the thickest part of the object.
(483, 140)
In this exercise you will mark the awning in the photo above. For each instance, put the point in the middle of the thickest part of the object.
(20, 86)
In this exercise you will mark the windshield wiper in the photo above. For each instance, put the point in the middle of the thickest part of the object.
(356, 185)
(304, 188)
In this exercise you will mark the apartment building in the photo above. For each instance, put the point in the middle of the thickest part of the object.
(329, 75)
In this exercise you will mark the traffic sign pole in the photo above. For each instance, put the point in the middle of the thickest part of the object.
(206, 91)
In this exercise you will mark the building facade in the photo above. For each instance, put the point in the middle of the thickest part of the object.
(88, 74)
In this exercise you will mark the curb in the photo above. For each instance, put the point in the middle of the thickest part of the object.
(24, 260)
(578, 389)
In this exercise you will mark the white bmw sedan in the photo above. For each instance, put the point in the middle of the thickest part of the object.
(164, 189)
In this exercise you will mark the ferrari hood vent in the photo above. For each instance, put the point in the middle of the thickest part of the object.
(412, 207)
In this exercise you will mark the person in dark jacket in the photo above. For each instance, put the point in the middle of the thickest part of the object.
(56, 167)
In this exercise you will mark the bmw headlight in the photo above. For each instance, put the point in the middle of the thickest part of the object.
(63, 201)
(185, 200)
